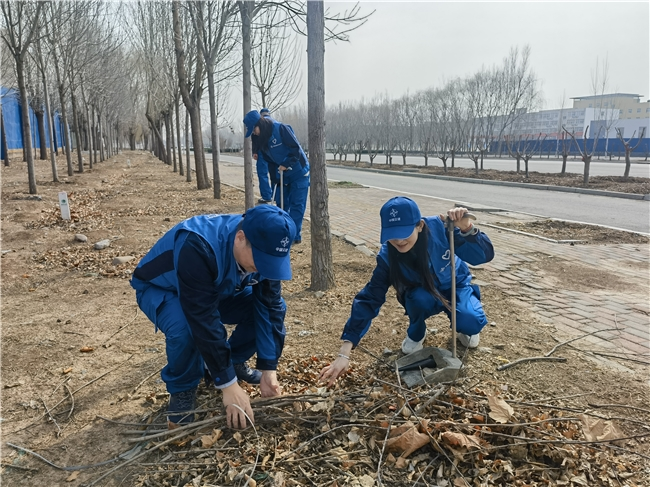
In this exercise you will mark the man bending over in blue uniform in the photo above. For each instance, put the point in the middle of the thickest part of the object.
(206, 271)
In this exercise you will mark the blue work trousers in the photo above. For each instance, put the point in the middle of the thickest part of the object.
(295, 201)
(184, 369)
(263, 176)
(420, 305)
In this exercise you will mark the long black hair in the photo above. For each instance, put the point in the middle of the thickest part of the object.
(266, 129)
(417, 259)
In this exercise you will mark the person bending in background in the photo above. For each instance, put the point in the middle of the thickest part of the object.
(206, 271)
(278, 145)
(262, 167)
(414, 259)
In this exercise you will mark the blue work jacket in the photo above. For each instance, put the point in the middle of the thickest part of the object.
(475, 249)
(159, 268)
(283, 149)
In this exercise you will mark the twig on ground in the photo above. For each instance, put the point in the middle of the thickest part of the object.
(580, 337)
(547, 357)
(121, 328)
(71, 400)
(145, 380)
(618, 406)
(74, 392)
(530, 359)
(49, 413)
(59, 467)
(18, 467)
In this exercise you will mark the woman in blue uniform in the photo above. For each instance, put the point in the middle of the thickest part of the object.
(414, 259)
(281, 150)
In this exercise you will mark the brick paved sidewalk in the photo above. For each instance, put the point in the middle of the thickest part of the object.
(355, 212)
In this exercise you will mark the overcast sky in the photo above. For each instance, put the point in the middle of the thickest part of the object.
(416, 45)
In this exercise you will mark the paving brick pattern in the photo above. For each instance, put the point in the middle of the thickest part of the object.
(355, 212)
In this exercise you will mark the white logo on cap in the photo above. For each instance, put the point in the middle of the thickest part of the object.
(394, 213)
(285, 241)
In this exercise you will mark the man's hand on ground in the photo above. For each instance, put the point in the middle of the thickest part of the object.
(269, 385)
(234, 396)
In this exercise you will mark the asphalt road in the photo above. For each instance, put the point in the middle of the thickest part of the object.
(619, 213)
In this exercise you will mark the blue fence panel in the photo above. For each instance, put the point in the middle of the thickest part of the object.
(13, 125)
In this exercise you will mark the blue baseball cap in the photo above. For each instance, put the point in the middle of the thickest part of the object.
(264, 110)
(250, 120)
(270, 232)
(399, 215)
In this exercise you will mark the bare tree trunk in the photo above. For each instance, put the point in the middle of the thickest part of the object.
(93, 129)
(187, 146)
(77, 130)
(587, 160)
(191, 101)
(5, 149)
(27, 139)
(628, 162)
(565, 156)
(322, 269)
(55, 140)
(89, 130)
(173, 141)
(168, 139)
(245, 9)
(40, 120)
(178, 138)
(100, 137)
(214, 136)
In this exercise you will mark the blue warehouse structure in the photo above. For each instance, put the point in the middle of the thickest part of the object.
(12, 124)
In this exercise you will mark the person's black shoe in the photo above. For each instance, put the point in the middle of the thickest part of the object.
(262, 201)
(180, 405)
(246, 374)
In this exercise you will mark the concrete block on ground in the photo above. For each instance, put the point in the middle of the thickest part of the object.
(365, 250)
(353, 240)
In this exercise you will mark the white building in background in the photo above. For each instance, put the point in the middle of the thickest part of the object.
(629, 105)
(549, 123)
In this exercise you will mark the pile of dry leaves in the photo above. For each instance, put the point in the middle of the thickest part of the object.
(371, 431)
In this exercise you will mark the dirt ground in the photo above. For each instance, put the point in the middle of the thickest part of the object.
(80, 366)
(604, 183)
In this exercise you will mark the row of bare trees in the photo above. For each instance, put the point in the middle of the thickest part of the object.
(67, 59)
(133, 71)
(465, 116)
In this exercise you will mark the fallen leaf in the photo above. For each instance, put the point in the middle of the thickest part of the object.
(500, 411)
(353, 436)
(407, 442)
(366, 481)
(73, 476)
(68, 370)
(86, 349)
(14, 384)
(596, 429)
(580, 480)
(401, 462)
(461, 439)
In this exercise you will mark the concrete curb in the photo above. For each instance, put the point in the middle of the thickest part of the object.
(542, 187)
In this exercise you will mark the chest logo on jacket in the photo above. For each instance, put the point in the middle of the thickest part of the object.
(446, 255)
(275, 143)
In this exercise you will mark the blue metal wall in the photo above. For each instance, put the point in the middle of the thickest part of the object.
(614, 147)
(12, 124)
